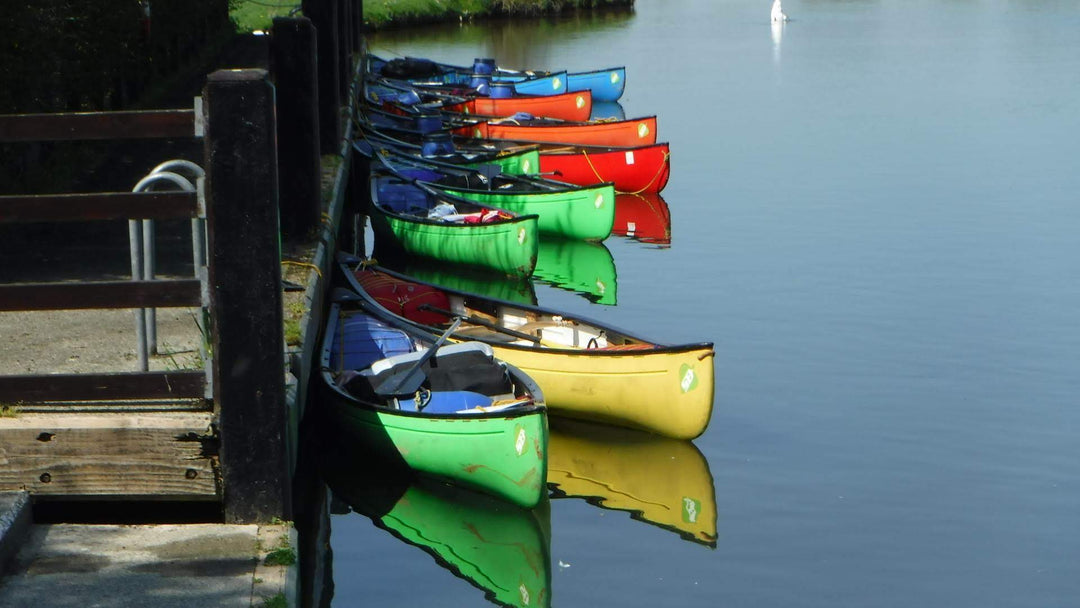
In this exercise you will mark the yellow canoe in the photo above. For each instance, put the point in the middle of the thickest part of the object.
(661, 481)
(587, 370)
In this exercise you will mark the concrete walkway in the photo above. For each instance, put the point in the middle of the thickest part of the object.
(161, 566)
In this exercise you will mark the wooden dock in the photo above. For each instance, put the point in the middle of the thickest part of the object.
(90, 412)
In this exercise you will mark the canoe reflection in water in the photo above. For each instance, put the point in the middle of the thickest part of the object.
(583, 267)
(490, 284)
(661, 481)
(502, 549)
(643, 217)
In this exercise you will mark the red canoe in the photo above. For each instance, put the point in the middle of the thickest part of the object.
(567, 106)
(626, 133)
(642, 169)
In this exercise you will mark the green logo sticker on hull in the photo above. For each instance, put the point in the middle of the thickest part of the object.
(690, 510)
(689, 379)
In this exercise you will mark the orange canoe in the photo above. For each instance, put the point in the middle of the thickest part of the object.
(566, 106)
(629, 133)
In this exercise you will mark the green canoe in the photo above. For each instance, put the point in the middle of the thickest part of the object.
(567, 210)
(573, 212)
(525, 162)
(466, 417)
(501, 549)
(406, 217)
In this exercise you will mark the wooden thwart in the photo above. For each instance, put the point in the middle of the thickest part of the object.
(98, 206)
(76, 126)
(177, 384)
(173, 293)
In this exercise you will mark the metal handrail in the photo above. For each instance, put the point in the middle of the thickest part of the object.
(142, 246)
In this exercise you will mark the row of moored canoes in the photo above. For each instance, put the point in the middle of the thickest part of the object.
(456, 385)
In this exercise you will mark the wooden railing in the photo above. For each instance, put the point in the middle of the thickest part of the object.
(84, 295)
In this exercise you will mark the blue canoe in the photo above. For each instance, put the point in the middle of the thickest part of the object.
(605, 84)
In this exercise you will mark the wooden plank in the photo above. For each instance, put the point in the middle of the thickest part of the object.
(165, 293)
(72, 126)
(98, 206)
(177, 384)
(149, 455)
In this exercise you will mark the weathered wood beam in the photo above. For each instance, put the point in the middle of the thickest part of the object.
(245, 294)
(98, 206)
(165, 293)
(178, 384)
(74, 126)
(160, 456)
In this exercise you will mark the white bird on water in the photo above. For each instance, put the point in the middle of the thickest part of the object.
(778, 15)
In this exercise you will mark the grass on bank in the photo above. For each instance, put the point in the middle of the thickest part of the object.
(250, 16)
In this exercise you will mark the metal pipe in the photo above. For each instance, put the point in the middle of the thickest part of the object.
(143, 259)
(135, 242)
(193, 173)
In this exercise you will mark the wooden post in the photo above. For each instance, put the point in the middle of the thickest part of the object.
(345, 64)
(323, 13)
(293, 49)
(245, 295)
(357, 200)
(358, 26)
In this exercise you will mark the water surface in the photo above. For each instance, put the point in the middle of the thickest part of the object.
(874, 215)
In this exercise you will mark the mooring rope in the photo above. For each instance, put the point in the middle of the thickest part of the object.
(303, 265)
(663, 165)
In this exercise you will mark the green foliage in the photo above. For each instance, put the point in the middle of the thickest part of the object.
(87, 55)
(385, 13)
(252, 16)
(277, 601)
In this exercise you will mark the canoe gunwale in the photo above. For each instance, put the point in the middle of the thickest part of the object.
(658, 346)
(382, 208)
(345, 398)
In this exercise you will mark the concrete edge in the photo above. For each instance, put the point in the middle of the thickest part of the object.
(269, 581)
(15, 519)
(302, 361)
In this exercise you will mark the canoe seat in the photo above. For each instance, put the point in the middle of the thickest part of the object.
(402, 361)
(403, 198)
(362, 339)
(462, 367)
(446, 402)
(562, 332)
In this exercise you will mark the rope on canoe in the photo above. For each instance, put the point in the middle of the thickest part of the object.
(664, 164)
(303, 265)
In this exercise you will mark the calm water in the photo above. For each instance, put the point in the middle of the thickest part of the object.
(874, 216)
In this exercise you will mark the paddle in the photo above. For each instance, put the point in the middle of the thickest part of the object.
(481, 322)
(404, 382)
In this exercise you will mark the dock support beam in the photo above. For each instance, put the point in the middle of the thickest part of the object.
(324, 14)
(293, 50)
(245, 295)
